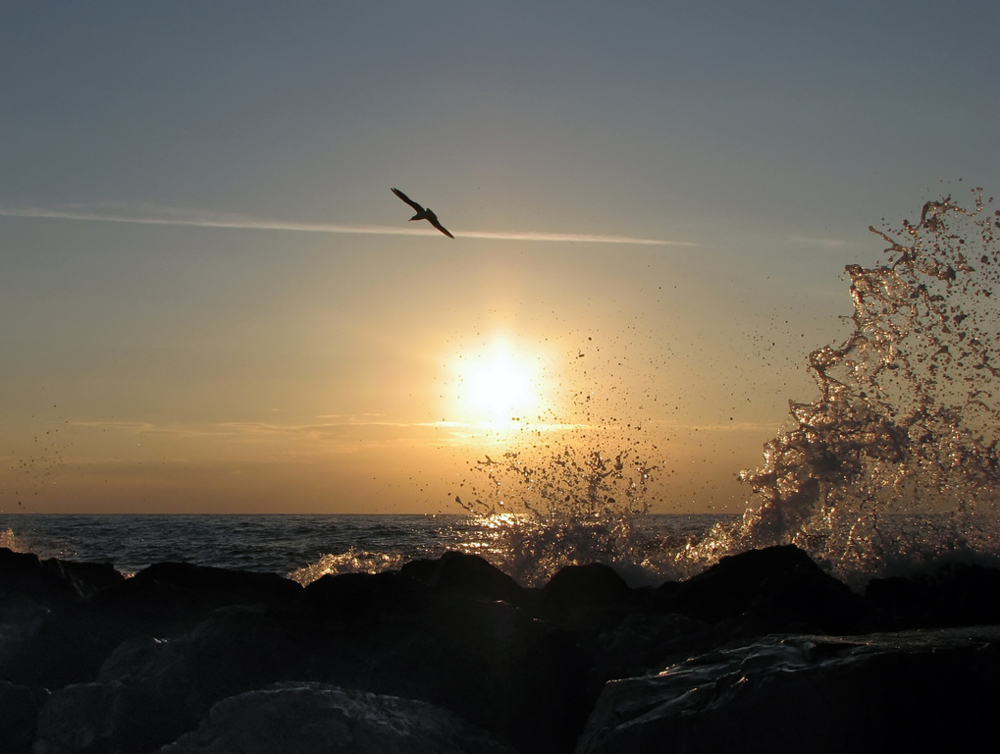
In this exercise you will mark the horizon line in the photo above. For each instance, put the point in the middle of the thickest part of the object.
(195, 219)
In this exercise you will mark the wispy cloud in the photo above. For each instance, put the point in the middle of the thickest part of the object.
(145, 215)
(826, 242)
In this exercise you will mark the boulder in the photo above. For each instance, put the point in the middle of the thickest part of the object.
(151, 690)
(923, 691)
(460, 574)
(163, 600)
(19, 707)
(53, 583)
(361, 597)
(488, 662)
(590, 597)
(956, 595)
(776, 589)
(317, 718)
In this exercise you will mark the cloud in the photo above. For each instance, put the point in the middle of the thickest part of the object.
(148, 215)
(826, 242)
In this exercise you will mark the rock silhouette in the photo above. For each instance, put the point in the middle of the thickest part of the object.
(187, 658)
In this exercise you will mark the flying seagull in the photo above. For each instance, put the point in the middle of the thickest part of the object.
(422, 214)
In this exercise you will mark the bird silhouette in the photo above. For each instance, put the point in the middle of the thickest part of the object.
(422, 214)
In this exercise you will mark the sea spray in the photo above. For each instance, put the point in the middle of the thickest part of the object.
(8, 540)
(551, 508)
(353, 560)
(895, 465)
(893, 468)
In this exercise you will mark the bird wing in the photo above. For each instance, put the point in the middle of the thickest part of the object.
(408, 200)
(434, 221)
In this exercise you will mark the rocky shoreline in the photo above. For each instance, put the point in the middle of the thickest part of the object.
(761, 652)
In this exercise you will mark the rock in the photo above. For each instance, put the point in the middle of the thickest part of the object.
(459, 574)
(589, 597)
(316, 718)
(54, 582)
(923, 691)
(85, 579)
(488, 662)
(215, 587)
(642, 641)
(135, 665)
(360, 597)
(954, 596)
(163, 600)
(777, 589)
(149, 691)
(19, 707)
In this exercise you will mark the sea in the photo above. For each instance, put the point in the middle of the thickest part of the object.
(306, 547)
(893, 469)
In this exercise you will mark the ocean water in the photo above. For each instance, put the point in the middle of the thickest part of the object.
(894, 468)
(306, 547)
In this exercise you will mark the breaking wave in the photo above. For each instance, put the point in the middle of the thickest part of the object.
(893, 467)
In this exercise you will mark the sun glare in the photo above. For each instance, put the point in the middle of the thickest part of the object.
(499, 387)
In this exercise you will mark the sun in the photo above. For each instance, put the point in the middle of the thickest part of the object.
(499, 386)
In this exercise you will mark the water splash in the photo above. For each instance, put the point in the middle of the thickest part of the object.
(353, 560)
(894, 467)
(8, 540)
(550, 508)
(896, 464)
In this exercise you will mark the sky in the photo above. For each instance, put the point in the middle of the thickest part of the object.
(210, 301)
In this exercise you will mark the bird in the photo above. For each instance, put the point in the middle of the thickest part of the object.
(422, 214)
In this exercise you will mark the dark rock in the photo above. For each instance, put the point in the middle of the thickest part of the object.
(163, 600)
(954, 596)
(135, 664)
(18, 562)
(642, 641)
(493, 664)
(590, 596)
(19, 708)
(361, 597)
(488, 662)
(777, 589)
(458, 573)
(31, 593)
(149, 691)
(927, 691)
(54, 582)
(314, 718)
(216, 587)
(84, 579)
(20, 618)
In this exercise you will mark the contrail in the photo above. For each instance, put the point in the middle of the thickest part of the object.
(195, 219)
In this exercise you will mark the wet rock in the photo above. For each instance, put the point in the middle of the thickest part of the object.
(926, 691)
(212, 587)
(460, 574)
(590, 596)
(642, 641)
(360, 597)
(777, 589)
(83, 579)
(488, 662)
(315, 718)
(151, 690)
(959, 595)
(136, 665)
(491, 663)
(163, 600)
(53, 582)
(19, 707)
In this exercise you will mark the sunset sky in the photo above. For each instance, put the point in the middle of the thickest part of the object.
(210, 300)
